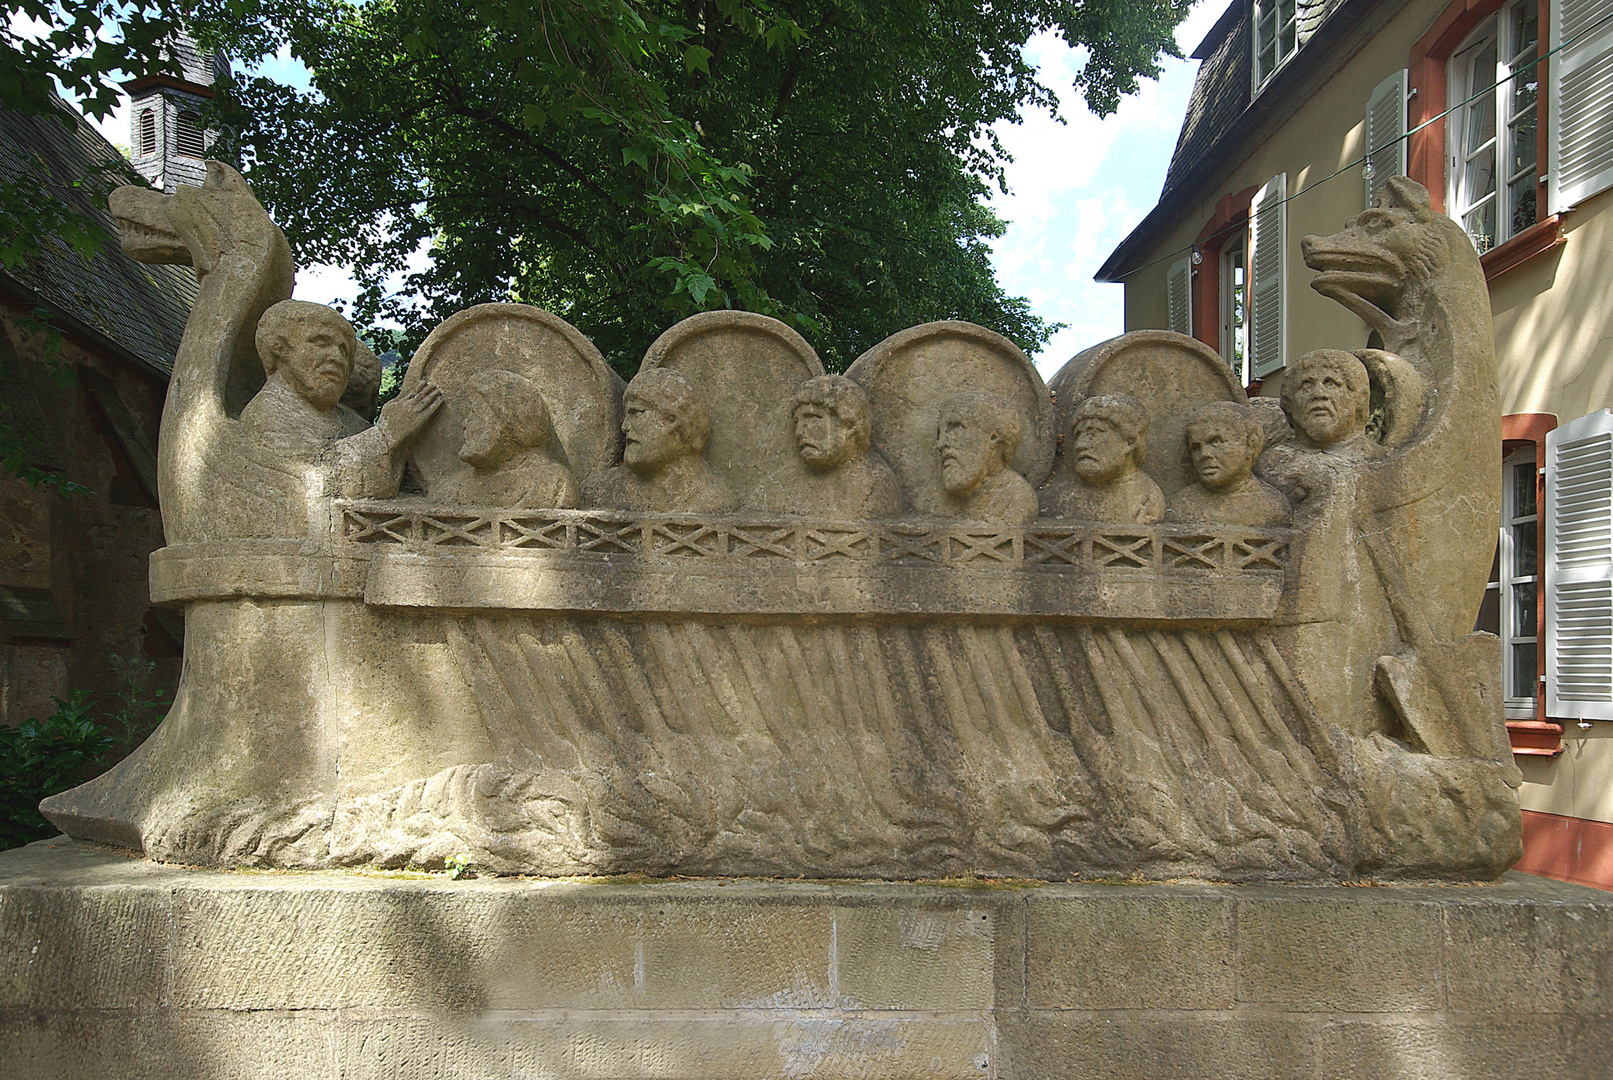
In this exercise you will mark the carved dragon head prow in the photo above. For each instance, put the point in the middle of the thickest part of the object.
(1384, 262)
(243, 265)
(199, 226)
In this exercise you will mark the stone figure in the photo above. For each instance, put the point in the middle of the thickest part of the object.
(666, 427)
(745, 369)
(846, 479)
(1224, 439)
(510, 444)
(307, 352)
(1108, 442)
(976, 438)
(364, 383)
(1397, 535)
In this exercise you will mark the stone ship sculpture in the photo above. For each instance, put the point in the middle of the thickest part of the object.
(740, 617)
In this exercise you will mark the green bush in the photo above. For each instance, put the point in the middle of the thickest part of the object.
(40, 758)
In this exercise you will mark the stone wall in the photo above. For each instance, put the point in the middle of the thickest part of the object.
(117, 966)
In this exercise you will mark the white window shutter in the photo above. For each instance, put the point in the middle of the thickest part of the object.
(1268, 261)
(1386, 133)
(1579, 568)
(1179, 296)
(1580, 117)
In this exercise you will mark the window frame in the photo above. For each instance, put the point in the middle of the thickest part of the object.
(1278, 9)
(1426, 149)
(1504, 116)
(1519, 463)
(1227, 228)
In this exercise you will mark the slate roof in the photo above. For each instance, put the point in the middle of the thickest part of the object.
(1220, 92)
(1223, 114)
(138, 309)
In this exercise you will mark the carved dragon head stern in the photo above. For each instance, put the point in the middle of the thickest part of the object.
(1391, 260)
(1413, 276)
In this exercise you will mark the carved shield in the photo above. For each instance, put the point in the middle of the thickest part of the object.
(1170, 373)
(910, 375)
(747, 367)
(583, 394)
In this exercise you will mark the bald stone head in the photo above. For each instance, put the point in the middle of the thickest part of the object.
(310, 348)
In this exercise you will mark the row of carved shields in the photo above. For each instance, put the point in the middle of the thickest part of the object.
(747, 368)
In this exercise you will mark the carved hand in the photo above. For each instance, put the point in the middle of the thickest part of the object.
(405, 416)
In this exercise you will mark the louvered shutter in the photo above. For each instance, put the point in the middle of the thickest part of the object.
(1386, 133)
(1580, 119)
(1268, 261)
(1579, 568)
(1179, 296)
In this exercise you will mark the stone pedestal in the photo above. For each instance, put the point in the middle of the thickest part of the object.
(114, 966)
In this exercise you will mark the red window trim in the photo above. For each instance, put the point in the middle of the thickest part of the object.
(1425, 152)
(1229, 218)
(1541, 736)
(1537, 239)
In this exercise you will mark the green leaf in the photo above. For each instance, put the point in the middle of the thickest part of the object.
(697, 58)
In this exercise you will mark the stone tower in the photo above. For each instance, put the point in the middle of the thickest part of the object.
(167, 141)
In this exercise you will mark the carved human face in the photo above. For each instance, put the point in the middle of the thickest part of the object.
(653, 439)
(1221, 455)
(487, 443)
(1101, 453)
(969, 453)
(1324, 406)
(314, 362)
(823, 437)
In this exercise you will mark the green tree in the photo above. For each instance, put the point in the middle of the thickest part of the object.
(628, 162)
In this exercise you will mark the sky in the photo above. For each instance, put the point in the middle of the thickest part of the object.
(1076, 189)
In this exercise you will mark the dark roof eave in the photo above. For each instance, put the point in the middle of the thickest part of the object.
(1223, 26)
(82, 329)
(1338, 38)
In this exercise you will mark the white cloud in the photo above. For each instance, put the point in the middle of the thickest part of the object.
(1077, 189)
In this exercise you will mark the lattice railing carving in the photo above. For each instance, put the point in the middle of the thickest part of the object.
(752, 539)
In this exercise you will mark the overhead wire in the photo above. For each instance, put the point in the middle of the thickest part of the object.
(1365, 158)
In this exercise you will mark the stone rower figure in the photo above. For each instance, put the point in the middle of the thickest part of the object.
(509, 443)
(1108, 438)
(977, 437)
(296, 421)
(664, 466)
(845, 479)
(1224, 439)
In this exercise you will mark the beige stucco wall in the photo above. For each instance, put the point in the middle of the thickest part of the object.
(1553, 316)
(1554, 320)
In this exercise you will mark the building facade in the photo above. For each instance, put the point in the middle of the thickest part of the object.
(86, 348)
(1504, 111)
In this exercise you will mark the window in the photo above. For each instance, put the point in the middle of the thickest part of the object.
(1275, 37)
(146, 133)
(1492, 167)
(1511, 600)
(189, 137)
(1234, 305)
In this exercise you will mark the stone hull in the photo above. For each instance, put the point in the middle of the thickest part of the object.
(119, 967)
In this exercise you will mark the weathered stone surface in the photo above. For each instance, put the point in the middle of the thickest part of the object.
(165, 971)
(814, 626)
(911, 376)
(580, 392)
(747, 367)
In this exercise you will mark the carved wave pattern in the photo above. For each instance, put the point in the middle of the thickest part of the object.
(748, 539)
(874, 751)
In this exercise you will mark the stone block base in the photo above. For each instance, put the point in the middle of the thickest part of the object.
(116, 967)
